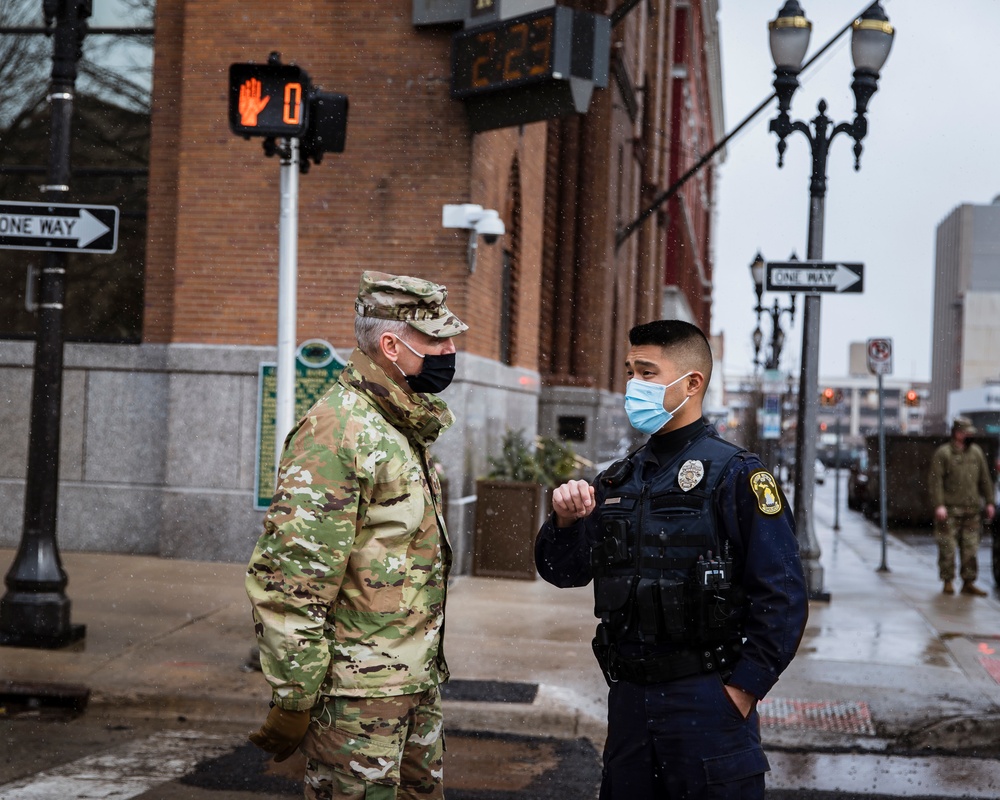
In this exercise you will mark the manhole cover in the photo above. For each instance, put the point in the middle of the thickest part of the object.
(812, 715)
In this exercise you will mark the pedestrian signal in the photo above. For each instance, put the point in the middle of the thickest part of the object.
(268, 100)
(912, 398)
(828, 397)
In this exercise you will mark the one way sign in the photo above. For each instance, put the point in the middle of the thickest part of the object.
(811, 277)
(58, 226)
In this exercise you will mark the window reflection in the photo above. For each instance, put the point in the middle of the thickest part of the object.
(109, 158)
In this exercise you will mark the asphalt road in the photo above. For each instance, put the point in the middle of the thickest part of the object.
(53, 755)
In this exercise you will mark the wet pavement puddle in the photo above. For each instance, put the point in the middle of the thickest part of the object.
(873, 775)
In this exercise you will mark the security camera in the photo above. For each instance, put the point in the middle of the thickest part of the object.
(484, 222)
(490, 226)
(478, 221)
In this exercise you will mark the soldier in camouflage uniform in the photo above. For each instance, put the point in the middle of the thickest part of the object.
(348, 579)
(960, 485)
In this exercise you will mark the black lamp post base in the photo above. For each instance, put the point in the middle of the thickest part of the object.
(37, 619)
(74, 633)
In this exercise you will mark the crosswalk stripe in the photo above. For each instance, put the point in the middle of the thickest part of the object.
(124, 772)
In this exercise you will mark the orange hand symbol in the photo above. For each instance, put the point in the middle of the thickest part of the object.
(251, 103)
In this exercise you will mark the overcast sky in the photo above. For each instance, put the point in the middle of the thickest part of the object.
(931, 146)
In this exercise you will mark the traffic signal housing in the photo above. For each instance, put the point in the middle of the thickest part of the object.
(912, 398)
(268, 99)
(828, 397)
(327, 125)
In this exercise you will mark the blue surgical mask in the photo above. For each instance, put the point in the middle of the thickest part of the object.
(644, 404)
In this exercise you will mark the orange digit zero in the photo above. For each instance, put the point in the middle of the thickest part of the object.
(291, 112)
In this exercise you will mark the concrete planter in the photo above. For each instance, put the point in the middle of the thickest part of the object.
(508, 515)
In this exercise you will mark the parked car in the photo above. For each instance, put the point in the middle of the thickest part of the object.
(820, 472)
(857, 483)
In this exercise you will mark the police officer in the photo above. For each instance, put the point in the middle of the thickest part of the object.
(697, 583)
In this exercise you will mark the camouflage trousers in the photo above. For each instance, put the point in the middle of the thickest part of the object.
(962, 527)
(376, 748)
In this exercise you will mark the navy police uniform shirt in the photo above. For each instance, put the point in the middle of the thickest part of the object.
(754, 518)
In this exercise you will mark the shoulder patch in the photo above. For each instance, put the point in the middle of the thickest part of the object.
(766, 491)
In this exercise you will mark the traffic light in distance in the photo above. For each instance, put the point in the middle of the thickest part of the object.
(268, 100)
(327, 125)
(912, 398)
(828, 397)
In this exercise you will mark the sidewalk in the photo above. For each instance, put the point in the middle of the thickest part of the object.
(888, 663)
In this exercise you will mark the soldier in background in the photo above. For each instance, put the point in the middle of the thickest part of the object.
(348, 579)
(960, 485)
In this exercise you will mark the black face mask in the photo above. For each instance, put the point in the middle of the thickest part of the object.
(435, 375)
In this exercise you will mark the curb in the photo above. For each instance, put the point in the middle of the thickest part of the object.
(966, 735)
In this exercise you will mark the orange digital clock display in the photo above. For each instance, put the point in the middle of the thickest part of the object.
(503, 55)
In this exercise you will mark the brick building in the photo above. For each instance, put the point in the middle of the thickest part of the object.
(159, 430)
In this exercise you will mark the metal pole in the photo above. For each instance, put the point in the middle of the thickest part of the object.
(35, 611)
(836, 475)
(288, 254)
(883, 567)
(808, 413)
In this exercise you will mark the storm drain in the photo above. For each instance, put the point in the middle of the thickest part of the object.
(49, 701)
(810, 715)
(489, 691)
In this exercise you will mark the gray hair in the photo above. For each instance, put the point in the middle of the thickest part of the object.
(368, 331)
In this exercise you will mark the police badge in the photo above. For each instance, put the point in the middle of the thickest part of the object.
(690, 474)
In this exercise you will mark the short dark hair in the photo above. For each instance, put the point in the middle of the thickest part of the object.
(685, 341)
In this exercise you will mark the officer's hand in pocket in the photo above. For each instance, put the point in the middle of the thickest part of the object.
(281, 732)
(744, 701)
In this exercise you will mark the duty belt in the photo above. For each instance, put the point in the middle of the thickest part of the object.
(666, 666)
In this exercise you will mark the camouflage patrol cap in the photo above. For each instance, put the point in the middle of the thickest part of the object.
(963, 424)
(413, 300)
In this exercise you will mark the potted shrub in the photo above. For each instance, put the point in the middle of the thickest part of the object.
(511, 502)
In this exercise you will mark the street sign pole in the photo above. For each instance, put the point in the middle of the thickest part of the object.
(882, 567)
(35, 611)
(288, 254)
(836, 472)
(879, 356)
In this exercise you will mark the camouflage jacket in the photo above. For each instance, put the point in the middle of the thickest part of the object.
(959, 478)
(348, 579)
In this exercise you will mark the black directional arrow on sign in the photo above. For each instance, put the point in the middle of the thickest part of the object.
(812, 277)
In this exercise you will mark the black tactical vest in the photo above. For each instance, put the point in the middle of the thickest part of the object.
(661, 574)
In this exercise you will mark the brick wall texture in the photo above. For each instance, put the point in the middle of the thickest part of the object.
(563, 188)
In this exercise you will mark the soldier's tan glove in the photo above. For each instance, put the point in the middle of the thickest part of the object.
(281, 732)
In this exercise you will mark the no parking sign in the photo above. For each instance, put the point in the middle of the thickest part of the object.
(879, 356)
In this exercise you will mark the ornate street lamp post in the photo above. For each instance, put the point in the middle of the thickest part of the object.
(777, 343)
(871, 40)
(769, 397)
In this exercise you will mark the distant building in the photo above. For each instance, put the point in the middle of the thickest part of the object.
(966, 320)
